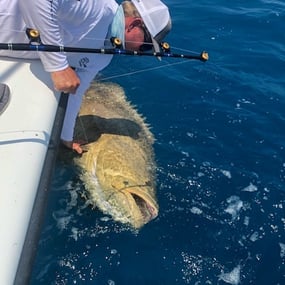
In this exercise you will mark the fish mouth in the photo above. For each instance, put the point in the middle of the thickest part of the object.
(148, 211)
(142, 205)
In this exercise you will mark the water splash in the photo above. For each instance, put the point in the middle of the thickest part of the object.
(232, 277)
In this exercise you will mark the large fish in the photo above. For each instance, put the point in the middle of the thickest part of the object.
(118, 167)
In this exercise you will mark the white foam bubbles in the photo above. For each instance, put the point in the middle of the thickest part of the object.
(282, 250)
(232, 277)
(246, 220)
(254, 237)
(227, 173)
(63, 222)
(234, 207)
(74, 233)
(250, 188)
(196, 210)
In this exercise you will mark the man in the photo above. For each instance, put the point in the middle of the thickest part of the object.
(140, 24)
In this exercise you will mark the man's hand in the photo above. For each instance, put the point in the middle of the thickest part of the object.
(65, 80)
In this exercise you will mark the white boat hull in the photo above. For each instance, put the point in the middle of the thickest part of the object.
(25, 129)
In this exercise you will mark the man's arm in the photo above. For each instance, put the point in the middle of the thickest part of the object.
(43, 16)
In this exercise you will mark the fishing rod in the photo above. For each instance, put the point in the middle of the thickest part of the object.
(36, 44)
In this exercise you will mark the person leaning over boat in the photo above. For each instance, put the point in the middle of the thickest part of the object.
(140, 24)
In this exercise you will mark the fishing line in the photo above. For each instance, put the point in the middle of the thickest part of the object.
(84, 130)
(183, 49)
(172, 47)
(142, 70)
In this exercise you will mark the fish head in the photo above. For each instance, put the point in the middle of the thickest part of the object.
(121, 181)
(123, 200)
(136, 202)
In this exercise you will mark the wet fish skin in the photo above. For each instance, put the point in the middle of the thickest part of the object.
(118, 167)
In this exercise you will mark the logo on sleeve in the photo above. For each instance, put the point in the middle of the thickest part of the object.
(83, 62)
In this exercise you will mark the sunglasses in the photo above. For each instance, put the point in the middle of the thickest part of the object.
(147, 45)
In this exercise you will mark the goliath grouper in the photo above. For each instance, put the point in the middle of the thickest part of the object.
(118, 167)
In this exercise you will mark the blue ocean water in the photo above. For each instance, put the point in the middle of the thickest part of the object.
(220, 151)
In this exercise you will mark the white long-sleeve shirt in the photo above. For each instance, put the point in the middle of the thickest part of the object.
(80, 23)
(64, 22)
(60, 22)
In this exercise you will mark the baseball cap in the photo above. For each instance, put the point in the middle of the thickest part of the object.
(155, 16)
